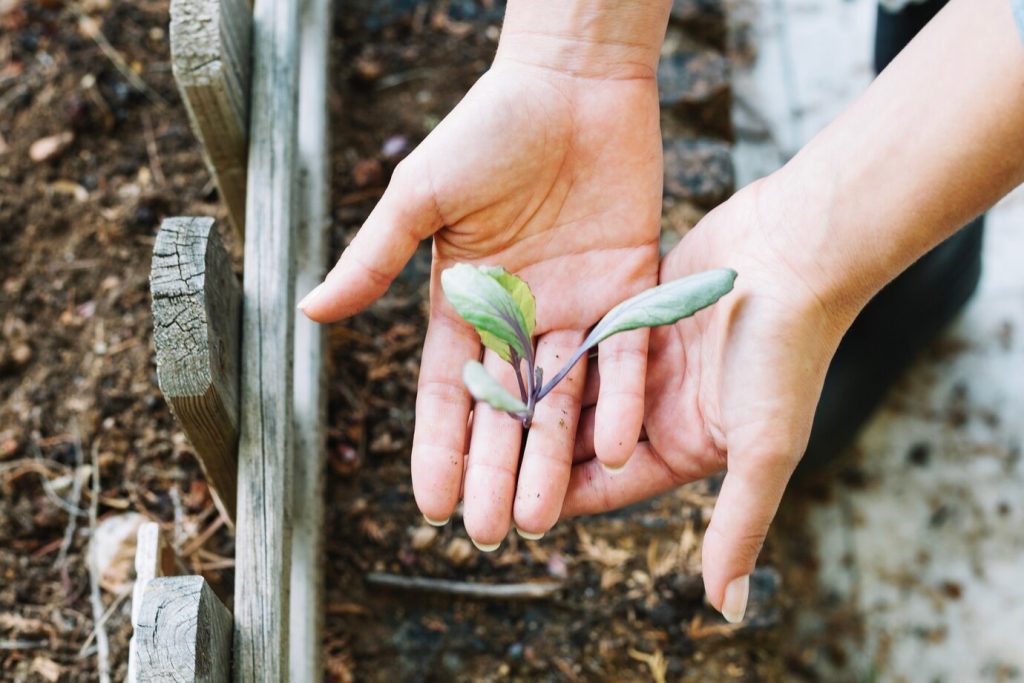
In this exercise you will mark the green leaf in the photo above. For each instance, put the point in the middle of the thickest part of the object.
(520, 292)
(485, 388)
(664, 304)
(486, 304)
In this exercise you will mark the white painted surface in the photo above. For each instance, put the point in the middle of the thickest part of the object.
(895, 550)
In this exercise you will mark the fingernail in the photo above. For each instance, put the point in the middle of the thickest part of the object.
(486, 548)
(612, 470)
(735, 603)
(436, 522)
(529, 536)
(309, 297)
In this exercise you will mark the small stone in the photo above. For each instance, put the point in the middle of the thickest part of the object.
(21, 354)
(557, 566)
(423, 537)
(395, 147)
(459, 551)
(367, 68)
(50, 147)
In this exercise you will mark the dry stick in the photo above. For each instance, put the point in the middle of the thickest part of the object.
(200, 540)
(69, 532)
(23, 644)
(55, 498)
(102, 643)
(103, 620)
(484, 591)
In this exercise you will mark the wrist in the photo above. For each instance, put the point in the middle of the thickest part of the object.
(805, 226)
(615, 39)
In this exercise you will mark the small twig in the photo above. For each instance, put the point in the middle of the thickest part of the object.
(153, 151)
(61, 563)
(23, 644)
(179, 520)
(76, 486)
(102, 643)
(200, 540)
(483, 591)
(23, 466)
(82, 651)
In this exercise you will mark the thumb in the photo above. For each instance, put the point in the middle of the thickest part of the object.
(750, 496)
(404, 216)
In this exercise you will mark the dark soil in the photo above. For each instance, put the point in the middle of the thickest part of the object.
(79, 399)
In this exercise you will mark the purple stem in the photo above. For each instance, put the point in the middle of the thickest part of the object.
(562, 373)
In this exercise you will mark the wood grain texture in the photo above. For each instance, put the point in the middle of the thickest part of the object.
(310, 404)
(184, 632)
(196, 325)
(266, 445)
(148, 566)
(211, 57)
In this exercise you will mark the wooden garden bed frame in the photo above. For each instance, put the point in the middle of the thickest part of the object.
(242, 371)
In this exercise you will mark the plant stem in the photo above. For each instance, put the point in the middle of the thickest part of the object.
(562, 373)
(516, 361)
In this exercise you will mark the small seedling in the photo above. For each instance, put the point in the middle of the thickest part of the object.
(502, 309)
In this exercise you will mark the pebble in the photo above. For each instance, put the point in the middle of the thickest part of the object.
(367, 68)
(459, 551)
(22, 354)
(395, 147)
(50, 147)
(423, 537)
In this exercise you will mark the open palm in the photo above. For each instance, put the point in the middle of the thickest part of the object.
(733, 387)
(557, 178)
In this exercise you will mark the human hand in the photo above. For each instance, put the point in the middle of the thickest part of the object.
(734, 387)
(551, 168)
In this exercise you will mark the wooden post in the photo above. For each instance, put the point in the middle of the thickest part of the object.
(210, 53)
(150, 562)
(310, 404)
(183, 633)
(196, 325)
(266, 445)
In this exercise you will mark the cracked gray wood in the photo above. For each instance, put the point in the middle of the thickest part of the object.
(184, 633)
(310, 398)
(151, 556)
(197, 305)
(267, 444)
(210, 54)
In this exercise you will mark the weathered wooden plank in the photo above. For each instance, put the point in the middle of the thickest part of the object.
(307, 536)
(266, 445)
(197, 304)
(211, 56)
(147, 567)
(184, 632)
